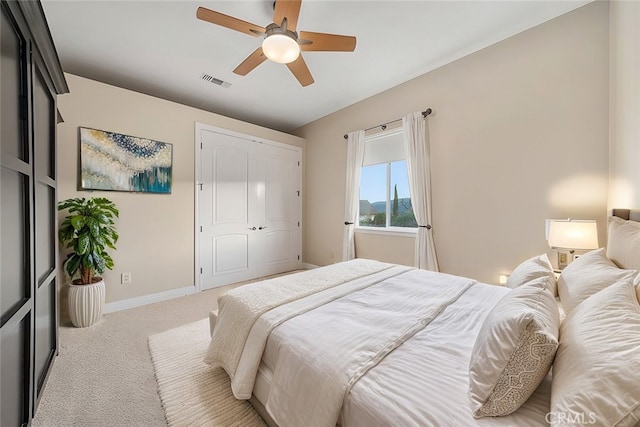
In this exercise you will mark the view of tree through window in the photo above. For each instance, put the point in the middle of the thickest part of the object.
(384, 196)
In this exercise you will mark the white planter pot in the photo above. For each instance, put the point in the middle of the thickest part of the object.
(86, 303)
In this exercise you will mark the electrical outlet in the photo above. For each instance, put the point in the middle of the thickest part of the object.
(125, 278)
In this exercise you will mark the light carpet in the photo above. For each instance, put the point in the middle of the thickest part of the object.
(192, 393)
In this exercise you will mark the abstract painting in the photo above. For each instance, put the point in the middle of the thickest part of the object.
(112, 161)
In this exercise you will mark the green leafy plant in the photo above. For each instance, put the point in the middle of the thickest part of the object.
(88, 230)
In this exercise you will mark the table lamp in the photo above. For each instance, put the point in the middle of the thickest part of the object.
(569, 235)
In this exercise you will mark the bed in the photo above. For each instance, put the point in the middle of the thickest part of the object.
(364, 343)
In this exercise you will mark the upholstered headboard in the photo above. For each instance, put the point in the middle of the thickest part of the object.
(629, 214)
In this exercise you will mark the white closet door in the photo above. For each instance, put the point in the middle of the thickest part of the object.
(249, 208)
(280, 223)
(228, 210)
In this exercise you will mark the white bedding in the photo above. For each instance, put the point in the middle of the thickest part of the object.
(361, 326)
(327, 350)
(231, 346)
(423, 382)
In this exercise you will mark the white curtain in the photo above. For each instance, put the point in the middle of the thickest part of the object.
(416, 146)
(355, 153)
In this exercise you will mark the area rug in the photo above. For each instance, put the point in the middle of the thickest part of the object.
(192, 393)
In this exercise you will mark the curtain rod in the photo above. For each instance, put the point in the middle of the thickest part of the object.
(425, 113)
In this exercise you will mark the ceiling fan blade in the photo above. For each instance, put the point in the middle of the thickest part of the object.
(327, 42)
(229, 22)
(252, 61)
(289, 9)
(301, 71)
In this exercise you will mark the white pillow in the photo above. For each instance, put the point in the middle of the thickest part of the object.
(514, 350)
(588, 275)
(533, 268)
(596, 373)
(623, 243)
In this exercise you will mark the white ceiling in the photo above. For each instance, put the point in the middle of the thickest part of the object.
(161, 49)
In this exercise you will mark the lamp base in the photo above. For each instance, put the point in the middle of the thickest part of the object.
(564, 258)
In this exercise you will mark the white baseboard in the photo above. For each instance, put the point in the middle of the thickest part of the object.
(308, 266)
(148, 299)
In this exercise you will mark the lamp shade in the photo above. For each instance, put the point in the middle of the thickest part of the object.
(573, 234)
(281, 48)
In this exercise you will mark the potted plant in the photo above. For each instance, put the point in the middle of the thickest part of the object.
(88, 230)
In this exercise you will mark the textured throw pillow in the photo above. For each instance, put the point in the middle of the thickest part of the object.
(623, 243)
(588, 275)
(514, 350)
(531, 269)
(596, 373)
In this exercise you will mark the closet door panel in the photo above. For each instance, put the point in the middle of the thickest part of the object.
(279, 243)
(281, 222)
(14, 348)
(278, 177)
(232, 253)
(226, 210)
(45, 229)
(15, 175)
(16, 288)
(45, 210)
(44, 120)
(231, 185)
(15, 242)
(45, 333)
(13, 89)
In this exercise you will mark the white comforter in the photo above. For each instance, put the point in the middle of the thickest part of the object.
(421, 383)
(390, 347)
(339, 342)
(237, 346)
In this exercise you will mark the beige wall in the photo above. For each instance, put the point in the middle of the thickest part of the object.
(519, 133)
(625, 104)
(156, 231)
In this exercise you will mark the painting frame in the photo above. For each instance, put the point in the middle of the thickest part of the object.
(111, 161)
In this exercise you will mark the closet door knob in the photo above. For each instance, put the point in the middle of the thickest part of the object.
(262, 228)
(252, 228)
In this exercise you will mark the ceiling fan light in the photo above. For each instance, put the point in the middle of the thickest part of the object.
(281, 48)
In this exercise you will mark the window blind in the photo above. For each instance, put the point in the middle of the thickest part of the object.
(383, 149)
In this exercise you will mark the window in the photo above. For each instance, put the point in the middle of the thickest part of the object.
(385, 202)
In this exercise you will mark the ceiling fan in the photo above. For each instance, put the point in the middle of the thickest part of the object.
(281, 43)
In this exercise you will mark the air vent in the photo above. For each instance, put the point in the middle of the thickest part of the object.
(208, 78)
